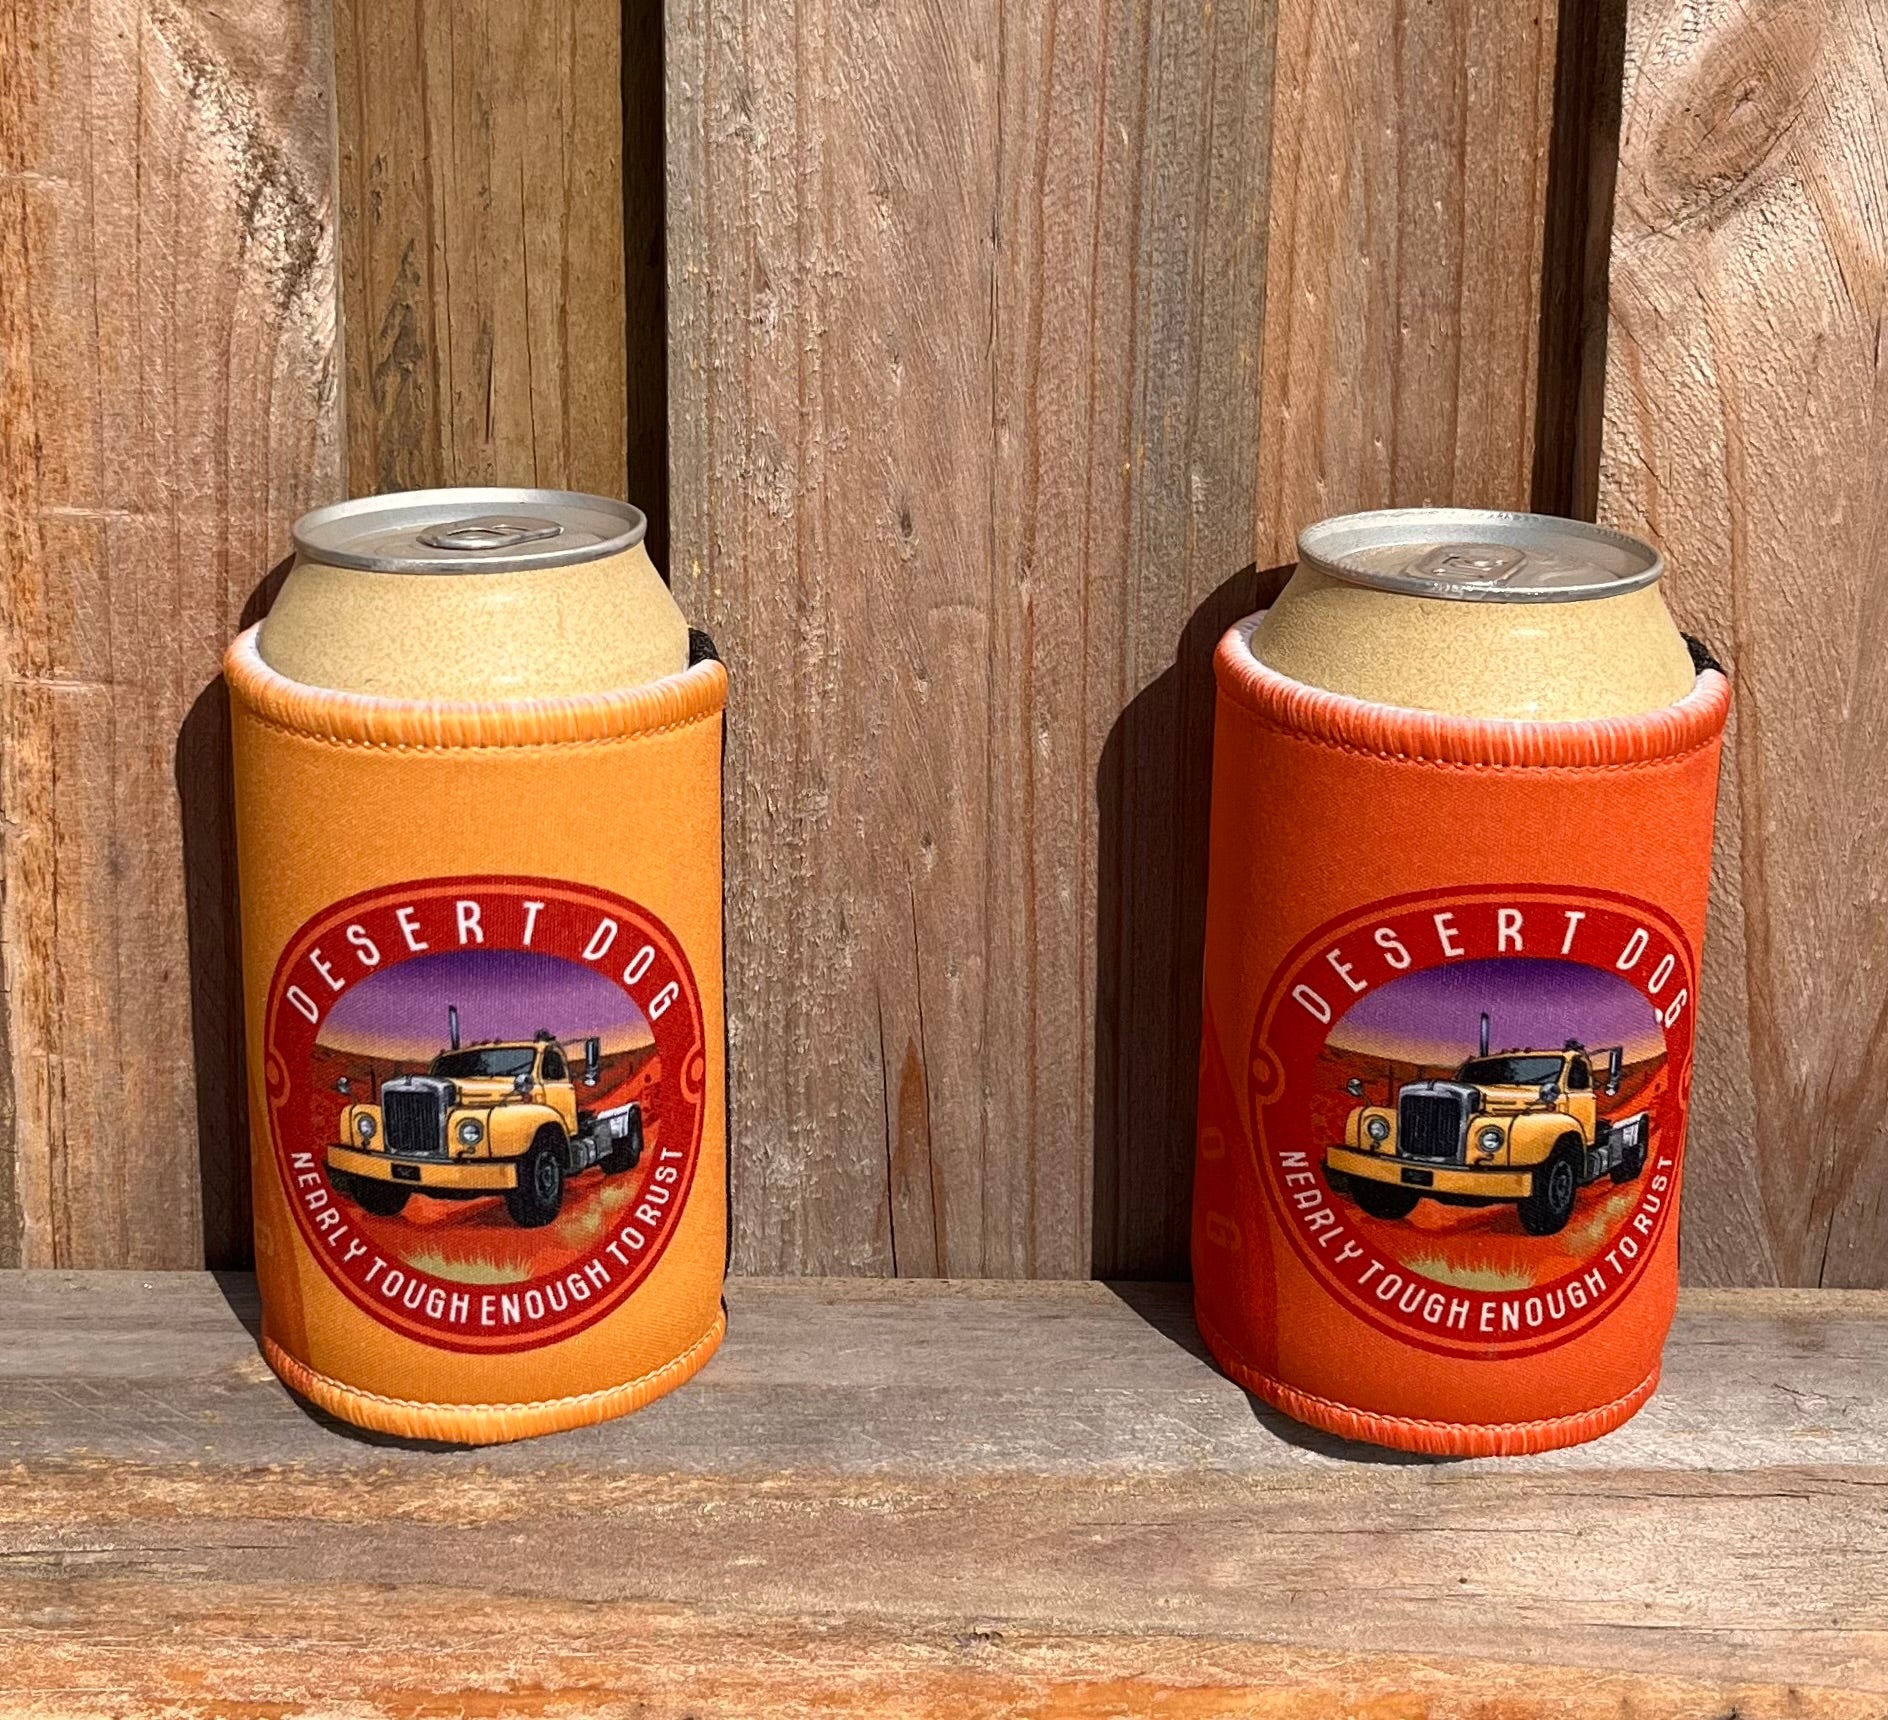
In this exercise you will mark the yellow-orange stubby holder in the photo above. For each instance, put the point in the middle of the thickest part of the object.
(482, 970)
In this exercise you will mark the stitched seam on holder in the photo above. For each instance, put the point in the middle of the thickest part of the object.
(321, 738)
(1315, 715)
(1545, 1424)
(716, 1330)
(1278, 725)
(326, 717)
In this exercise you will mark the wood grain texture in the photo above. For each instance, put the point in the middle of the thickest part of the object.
(645, 272)
(963, 402)
(942, 1499)
(1746, 418)
(1412, 144)
(167, 306)
(481, 198)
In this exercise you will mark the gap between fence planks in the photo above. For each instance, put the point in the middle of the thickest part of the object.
(970, 1499)
(167, 406)
(1746, 418)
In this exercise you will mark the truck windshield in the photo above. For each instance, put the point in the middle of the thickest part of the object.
(501, 1062)
(1511, 1071)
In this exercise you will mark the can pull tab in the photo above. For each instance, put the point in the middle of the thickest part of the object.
(491, 531)
(1469, 563)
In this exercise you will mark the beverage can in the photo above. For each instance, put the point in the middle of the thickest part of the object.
(1478, 613)
(474, 593)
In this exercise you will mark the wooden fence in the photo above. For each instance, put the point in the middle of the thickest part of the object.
(977, 368)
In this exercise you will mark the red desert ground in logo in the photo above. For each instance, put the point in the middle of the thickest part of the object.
(1379, 1020)
(429, 1041)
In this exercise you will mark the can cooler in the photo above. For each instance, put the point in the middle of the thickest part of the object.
(1451, 977)
(486, 938)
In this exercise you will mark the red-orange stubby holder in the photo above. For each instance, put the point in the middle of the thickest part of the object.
(1451, 979)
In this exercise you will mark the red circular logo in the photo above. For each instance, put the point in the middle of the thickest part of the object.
(485, 1096)
(1468, 1109)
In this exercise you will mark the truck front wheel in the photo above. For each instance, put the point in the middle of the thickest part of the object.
(1556, 1185)
(539, 1196)
(383, 1200)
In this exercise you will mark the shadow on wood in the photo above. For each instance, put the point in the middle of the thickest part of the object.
(214, 936)
(1576, 246)
(1153, 788)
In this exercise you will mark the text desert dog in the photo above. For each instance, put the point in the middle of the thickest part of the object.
(459, 922)
(1379, 953)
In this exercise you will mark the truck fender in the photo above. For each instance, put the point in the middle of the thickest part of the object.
(513, 1128)
(1533, 1135)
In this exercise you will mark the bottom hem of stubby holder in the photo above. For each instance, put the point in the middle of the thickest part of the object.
(1434, 1438)
(489, 1423)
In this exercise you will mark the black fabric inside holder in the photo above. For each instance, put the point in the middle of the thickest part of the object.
(701, 648)
(1701, 658)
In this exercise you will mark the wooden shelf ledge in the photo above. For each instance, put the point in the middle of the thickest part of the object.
(952, 1499)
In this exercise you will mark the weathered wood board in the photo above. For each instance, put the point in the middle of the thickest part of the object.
(922, 1498)
(1746, 429)
(966, 317)
(168, 398)
(963, 397)
(482, 264)
(1004, 342)
(1411, 148)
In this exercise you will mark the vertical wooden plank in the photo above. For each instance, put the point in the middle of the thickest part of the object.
(1746, 415)
(830, 178)
(167, 298)
(482, 242)
(1409, 194)
(964, 323)
(1130, 286)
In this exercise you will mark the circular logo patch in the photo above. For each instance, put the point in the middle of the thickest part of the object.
(485, 1096)
(1467, 1109)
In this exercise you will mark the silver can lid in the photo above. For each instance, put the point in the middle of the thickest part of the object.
(468, 531)
(1479, 555)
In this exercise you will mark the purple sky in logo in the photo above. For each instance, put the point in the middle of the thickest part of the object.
(1532, 1003)
(400, 1012)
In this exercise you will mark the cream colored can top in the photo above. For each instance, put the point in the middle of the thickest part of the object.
(474, 594)
(1478, 614)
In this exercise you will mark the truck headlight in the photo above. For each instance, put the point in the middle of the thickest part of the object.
(364, 1126)
(470, 1131)
(1377, 1128)
(1488, 1140)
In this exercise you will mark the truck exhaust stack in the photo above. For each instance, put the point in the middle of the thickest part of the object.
(452, 1024)
(1484, 1050)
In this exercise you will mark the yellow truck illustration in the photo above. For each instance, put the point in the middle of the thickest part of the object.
(1521, 1126)
(499, 1117)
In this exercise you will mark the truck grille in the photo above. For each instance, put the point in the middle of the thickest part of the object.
(415, 1123)
(1429, 1126)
